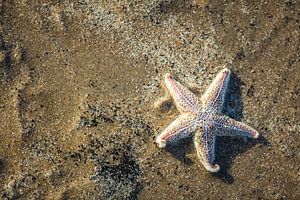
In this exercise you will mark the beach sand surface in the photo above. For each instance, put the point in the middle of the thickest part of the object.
(79, 80)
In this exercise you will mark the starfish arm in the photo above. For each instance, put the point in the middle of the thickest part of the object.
(214, 96)
(184, 99)
(204, 142)
(226, 126)
(178, 129)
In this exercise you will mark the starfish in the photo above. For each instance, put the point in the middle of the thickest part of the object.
(202, 119)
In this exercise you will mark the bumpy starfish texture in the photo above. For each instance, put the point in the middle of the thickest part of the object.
(202, 119)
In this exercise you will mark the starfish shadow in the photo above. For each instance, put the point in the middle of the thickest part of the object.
(179, 150)
(233, 105)
(228, 148)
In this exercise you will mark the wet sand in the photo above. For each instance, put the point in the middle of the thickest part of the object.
(79, 80)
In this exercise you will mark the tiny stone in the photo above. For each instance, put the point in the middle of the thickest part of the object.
(2, 56)
(17, 54)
